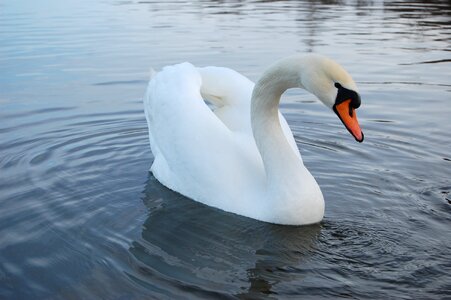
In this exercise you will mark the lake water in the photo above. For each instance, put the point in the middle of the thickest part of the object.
(81, 217)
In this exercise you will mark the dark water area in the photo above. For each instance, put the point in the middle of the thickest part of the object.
(81, 217)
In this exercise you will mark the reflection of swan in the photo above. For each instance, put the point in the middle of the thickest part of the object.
(187, 247)
(241, 157)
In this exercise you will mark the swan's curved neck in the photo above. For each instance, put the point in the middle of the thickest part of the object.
(282, 164)
(291, 190)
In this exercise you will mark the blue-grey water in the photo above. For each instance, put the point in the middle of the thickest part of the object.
(81, 217)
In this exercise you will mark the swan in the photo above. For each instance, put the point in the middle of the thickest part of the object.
(238, 154)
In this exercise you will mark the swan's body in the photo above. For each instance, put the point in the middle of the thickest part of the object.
(240, 157)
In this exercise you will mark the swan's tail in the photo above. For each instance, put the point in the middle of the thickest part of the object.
(152, 73)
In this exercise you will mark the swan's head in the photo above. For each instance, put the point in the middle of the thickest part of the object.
(334, 87)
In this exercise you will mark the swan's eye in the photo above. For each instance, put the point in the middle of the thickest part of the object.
(337, 85)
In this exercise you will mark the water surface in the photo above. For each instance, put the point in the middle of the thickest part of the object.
(82, 218)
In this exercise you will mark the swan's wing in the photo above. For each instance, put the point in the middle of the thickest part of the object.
(225, 87)
(231, 93)
(190, 143)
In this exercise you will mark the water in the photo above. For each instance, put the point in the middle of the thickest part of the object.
(82, 218)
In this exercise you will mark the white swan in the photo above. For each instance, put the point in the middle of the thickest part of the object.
(241, 156)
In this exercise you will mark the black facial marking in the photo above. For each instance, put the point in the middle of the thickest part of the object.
(345, 94)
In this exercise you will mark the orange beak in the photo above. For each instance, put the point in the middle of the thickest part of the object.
(348, 116)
